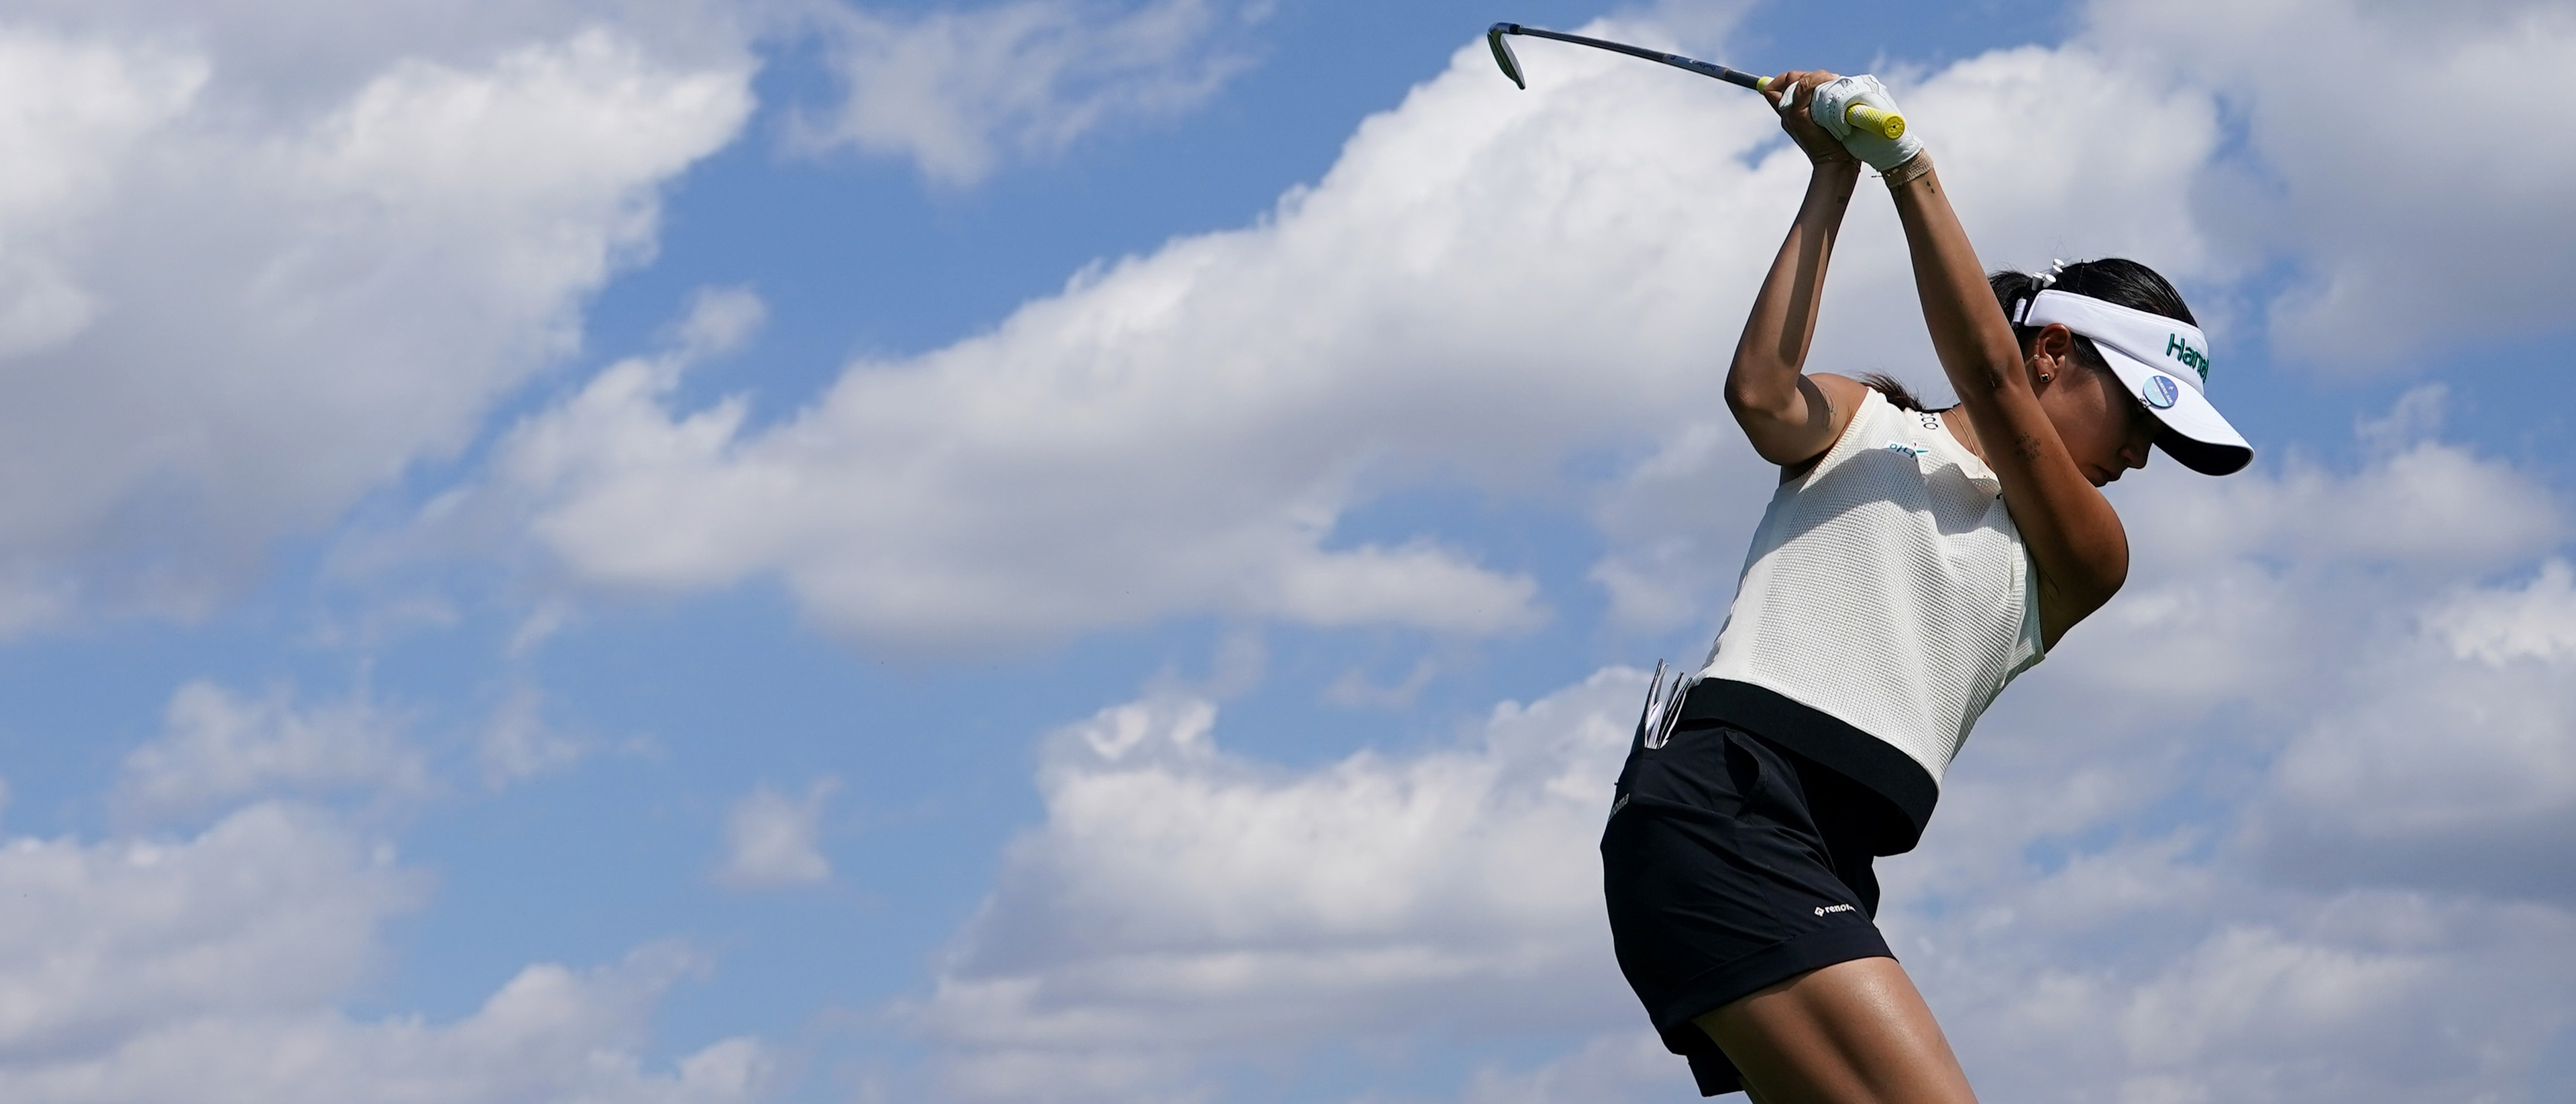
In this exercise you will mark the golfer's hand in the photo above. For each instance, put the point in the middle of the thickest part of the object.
(1831, 103)
(1790, 94)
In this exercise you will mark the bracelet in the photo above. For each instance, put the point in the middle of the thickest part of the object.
(1913, 168)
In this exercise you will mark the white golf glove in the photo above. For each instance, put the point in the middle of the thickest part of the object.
(1834, 98)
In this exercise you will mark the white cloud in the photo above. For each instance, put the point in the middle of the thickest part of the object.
(309, 294)
(550, 1034)
(1623, 1066)
(2497, 627)
(720, 320)
(771, 839)
(1181, 904)
(957, 90)
(270, 909)
(2248, 993)
(2447, 765)
(219, 749)
(2354, 179)
(1355, 690)
(212, 967)
(518, 744)
(1679, 524)
(293, 57)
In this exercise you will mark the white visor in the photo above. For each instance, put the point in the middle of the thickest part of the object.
(2164, 362)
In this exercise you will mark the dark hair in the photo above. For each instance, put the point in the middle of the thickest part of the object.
(2111, 279)
(1897, 394)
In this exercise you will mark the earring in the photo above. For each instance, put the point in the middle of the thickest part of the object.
(2043, 377)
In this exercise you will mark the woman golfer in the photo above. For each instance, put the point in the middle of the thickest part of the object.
(1912, 562)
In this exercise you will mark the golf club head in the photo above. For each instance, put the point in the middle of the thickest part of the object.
(1503, 51)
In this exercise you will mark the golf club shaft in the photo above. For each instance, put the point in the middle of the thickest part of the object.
(1730, 76)
(1860, 115)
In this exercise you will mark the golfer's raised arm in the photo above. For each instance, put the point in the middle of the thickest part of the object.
(2075, 537)
(1790, 417)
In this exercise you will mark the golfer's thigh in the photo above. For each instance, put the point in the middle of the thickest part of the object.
(1851, 1033)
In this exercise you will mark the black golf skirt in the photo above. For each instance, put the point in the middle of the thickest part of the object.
(1732, 864)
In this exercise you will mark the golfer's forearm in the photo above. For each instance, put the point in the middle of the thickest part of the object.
(1974, 342)
(2073, 533)
(1763, 380)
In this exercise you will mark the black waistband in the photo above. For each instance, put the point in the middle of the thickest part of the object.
(1830, 742)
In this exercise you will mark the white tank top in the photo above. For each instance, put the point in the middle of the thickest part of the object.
(1887, 588)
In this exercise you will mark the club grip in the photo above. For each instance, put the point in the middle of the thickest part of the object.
(1884, 124)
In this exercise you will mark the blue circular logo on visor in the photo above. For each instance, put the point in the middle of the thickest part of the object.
(2160, 392)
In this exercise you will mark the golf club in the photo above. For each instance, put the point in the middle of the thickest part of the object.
(1882, 123)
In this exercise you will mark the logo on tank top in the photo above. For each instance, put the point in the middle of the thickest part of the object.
(1835, 908)
(2160, 392)
(1909, 448)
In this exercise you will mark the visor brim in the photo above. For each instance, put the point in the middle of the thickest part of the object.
(2195, 434)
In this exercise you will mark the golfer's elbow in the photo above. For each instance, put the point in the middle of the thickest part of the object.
(1768, 392)
(1788, 424)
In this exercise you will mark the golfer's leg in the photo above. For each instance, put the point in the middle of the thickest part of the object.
(1852, 1033)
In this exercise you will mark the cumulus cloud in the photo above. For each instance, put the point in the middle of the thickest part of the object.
(219, 749)
(1621, 1066)
(518, 744)
(271, 908)
(771, 839)
(549, 1034)
(1483, 287)
(228, 314)
(2397, 251)
(2449, 764)
(957, 90)
(1181, 903)
(2537, 621)
(211, 968)
(290, 56)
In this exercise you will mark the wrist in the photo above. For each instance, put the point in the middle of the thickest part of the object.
(1908, 171)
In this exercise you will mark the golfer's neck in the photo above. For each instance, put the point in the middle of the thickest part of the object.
(1964, 429)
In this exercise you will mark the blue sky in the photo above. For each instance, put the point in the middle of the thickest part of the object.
(679, 550)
